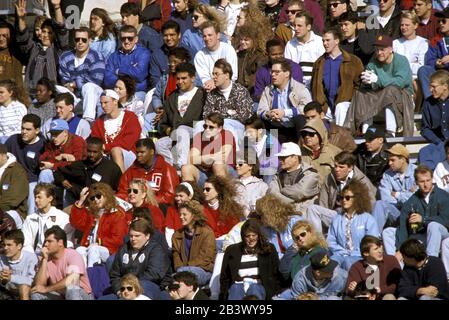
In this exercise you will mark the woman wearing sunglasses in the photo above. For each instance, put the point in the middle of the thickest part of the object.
(184, 192)
(250, 267)
(351, 224)
(130, 288)
(102, 222)
(194, 243)
(141, 195)
(306, 242)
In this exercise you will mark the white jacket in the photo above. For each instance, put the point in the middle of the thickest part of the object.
(250, 190)
(56, 217)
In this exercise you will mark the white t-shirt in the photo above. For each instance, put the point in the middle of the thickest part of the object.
(79, 61)
(113, 126)
(184, 100)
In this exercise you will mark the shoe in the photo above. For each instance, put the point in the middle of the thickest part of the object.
(390, 134)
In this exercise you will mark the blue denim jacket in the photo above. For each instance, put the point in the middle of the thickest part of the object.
(286, 235)
(391, 182)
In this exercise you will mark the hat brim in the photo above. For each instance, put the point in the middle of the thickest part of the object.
(441, 14)
(280, 154)
(330, 267)
(308, 129)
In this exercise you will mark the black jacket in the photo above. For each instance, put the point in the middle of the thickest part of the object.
(268, 265)
(82, 174)
(372, 167)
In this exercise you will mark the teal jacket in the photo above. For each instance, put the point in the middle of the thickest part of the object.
(397, 73)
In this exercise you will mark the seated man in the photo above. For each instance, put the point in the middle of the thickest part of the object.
(64, 103)
(323, 276)
(396, 187)
(383, 269)
(329, 197)
(265, 144)
(282, 103)
(14, 186)
(185, 287)
(27, 147)
(79, 174)
(275, 50)
(336, 135)
(181, 110)
(435, 120)
(214, 49)
(387, 87)
(118, 129)
(82, 72)
(316, 149)
(423, 276)
(131, 59)
(62, 273)
(63, 149)
(162, 177)
(213, 152)
(17, 267)
(297, 183)
(428, 22)
(372, 158)
(336, 74)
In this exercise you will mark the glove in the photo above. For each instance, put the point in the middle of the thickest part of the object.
(369, 77)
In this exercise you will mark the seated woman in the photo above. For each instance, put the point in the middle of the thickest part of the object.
(250, 267)
(12, 109)
(126, 89)
(249, 187)
(102, 222)
(146, 259)
(277, 219)
(185, 191)
(44, 106)
(307, 241)
(221, 209)
(141, 195)
(130, 288)
(351, 224)
(194, 243)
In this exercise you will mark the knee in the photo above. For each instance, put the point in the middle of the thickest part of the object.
(116, 151)
(433, 227)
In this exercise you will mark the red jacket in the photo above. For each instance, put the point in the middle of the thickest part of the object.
(165, 13)
(127, 137)
(156, 215)
(220, 227)
(162, 176)
(75, 146)
(112, 228)
(172, 219)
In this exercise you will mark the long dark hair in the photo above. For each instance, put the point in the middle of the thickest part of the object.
(109, 26)
(253, 225)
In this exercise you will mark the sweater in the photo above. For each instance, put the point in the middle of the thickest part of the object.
(23, 269)
(11, 118)
(414, 50)
(74, 145)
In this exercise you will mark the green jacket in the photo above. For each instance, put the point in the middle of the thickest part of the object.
(14, 188)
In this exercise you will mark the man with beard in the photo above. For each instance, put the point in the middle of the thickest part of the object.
(79, 174)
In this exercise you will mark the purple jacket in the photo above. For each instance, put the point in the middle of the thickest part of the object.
(314, 9)
(263, 77)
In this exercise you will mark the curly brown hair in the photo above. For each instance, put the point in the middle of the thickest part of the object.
(197, 210)
(212, 14)
(361, 202)
(226, 190)
(252, 32)
(273, 212)
(253, 225)
(254, 17)
(106, 191)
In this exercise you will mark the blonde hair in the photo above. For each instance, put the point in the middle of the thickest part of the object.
(274, 213)
(411, 15)
(132, 280)
(317, 238)
(145, 187)
(212, 14)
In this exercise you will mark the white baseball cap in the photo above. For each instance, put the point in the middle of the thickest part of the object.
(289, 149)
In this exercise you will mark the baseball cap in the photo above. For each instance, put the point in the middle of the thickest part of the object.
(59, 125)
(374, 132)
(321, 261)
(383, 41)
(442, 14)
(289, 149)
(399, 150)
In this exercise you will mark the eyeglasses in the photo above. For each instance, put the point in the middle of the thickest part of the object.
(135, 191)
(216, 74)
(127, 288)
(334, 5)
(195, 17)
(207, 189)
(129, 39)
(209, 127)
(443, 21)
(301, 235)
(383, 0)
(84, 40)
(308, 134)
(292, 11)
(347, 198)
(98, 196)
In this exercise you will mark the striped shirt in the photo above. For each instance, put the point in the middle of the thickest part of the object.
(248, 266)
(11, 118)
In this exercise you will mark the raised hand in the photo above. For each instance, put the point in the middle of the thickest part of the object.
(56, 3)
(21, 6)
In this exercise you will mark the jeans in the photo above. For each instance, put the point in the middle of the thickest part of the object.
(237, 291)
(202, 275)
(71, 293)
(318, 215)
(436, 233)
(384, 211)
(424, 74)
(93, 254)
(46, 176)
(389, 239)
(345, 262)
(31, 204)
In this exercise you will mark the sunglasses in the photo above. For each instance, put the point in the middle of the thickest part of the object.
(97, 196)
(127, 288)
(347, 198)
(209, 127)
(240, 164)
(292, 11)
(301, 235)
(135, 191)
(207, 189)
(443, 21)
(334, 5)
(84, 40)
(308, 134)
(195, 17)
(127, 39)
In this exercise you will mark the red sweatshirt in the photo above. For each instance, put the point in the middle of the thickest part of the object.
(75, 146)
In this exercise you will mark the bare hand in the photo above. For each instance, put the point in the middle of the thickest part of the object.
(56, 3)
(66, 184)
(5, 275)
(398, 256)
(445, 59)
(68, 157)
(393, 194)
(21, 8)
(174, 295)
(46, 165)
(39, 289)
(428, 291)
(83, 195)
(352, 285)
(44, 253)
(415, 218)
(209, 85)
(159, 114)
